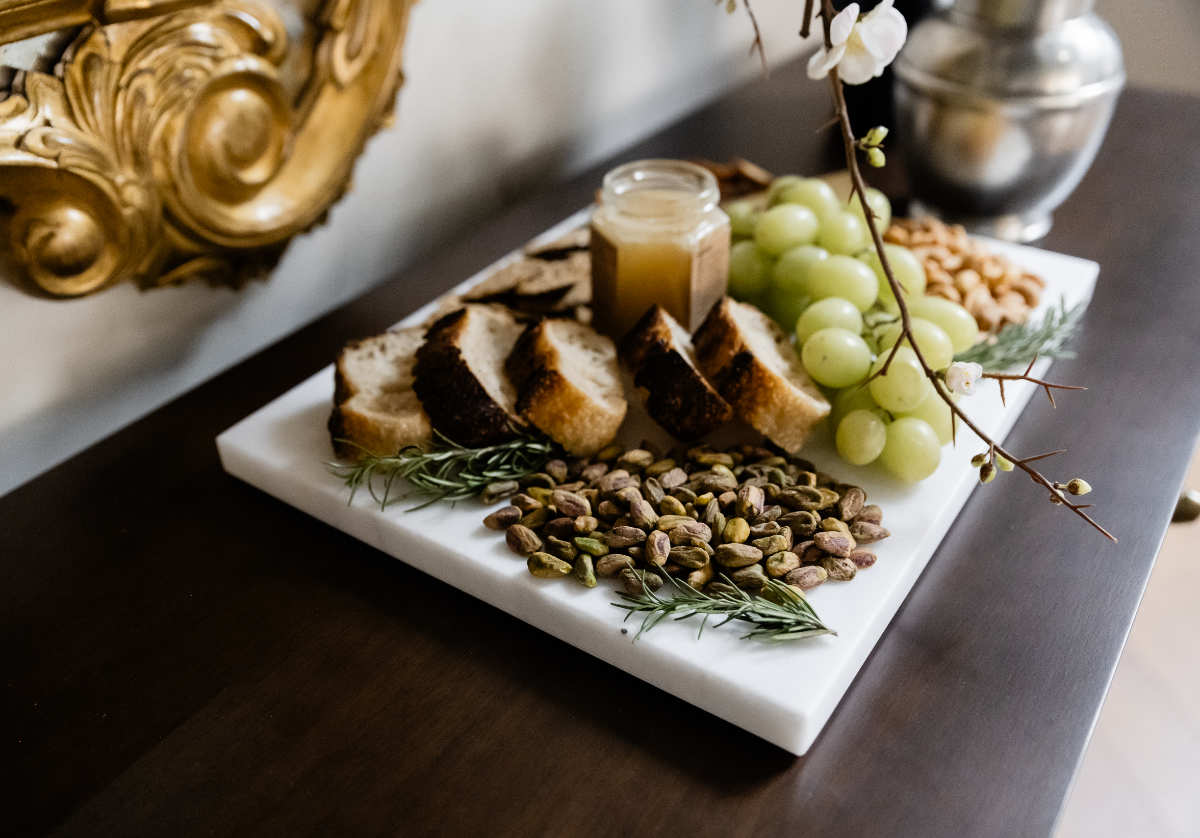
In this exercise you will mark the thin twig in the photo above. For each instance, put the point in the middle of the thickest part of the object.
(860, 189)
(758, 41)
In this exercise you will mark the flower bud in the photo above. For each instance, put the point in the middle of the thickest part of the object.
(987, 473)
(876, 135)
(1078, 486)
(979, 459)
(1003, 463)
(876, 157)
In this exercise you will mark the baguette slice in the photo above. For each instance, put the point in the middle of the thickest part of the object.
(569, 384)
(752, 363)
(659, 353)
(460, 375)
(374, 406)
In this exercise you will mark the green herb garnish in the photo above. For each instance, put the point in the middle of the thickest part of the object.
(1019, 343)
(448, 471)
(781, 613)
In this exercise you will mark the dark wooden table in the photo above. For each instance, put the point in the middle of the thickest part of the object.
(185, 655)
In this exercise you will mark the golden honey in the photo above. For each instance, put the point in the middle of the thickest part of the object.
(658, 236)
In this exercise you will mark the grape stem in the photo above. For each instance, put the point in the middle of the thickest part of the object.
(957, 414)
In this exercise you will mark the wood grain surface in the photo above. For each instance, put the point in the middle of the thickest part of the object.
(185, 655)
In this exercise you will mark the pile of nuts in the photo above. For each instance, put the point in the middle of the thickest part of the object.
(995, 291)
(746, 513)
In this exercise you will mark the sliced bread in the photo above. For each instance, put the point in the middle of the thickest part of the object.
(752, 363)
(460, 376)
(569, 384)
(659, 353)
(374, 407)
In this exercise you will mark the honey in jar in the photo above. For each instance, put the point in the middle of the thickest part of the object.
(658, 236)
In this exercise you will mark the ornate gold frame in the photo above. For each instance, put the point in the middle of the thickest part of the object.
(166, 145)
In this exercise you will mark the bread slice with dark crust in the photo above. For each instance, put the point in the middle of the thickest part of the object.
(569, 384)
(374, 407)
(460, 376)
(659, 353)
(752, 363)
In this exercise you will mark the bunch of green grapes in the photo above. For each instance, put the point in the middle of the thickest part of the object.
(808, 261)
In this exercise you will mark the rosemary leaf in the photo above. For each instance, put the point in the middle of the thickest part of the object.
(1018, 343)
(781, 615)
(447, 471)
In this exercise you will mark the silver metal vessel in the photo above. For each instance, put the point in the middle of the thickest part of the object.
(1001, 106)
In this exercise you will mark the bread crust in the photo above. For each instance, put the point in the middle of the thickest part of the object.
(783, 408)
(371, 417)
(457, 403)
(572, 417)
(356, 429)
(677, 395)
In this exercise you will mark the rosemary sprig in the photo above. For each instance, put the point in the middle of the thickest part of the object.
(782, 614)
(447, 471)
(1019, 343)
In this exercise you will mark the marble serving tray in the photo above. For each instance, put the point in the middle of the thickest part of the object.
(784, 693)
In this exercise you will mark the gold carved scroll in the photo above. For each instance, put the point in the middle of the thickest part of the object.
(172, 146)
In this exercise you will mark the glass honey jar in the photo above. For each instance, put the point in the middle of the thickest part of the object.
(658, 236)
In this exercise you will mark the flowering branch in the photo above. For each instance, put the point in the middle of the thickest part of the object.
(1048, 386)
(996, 455)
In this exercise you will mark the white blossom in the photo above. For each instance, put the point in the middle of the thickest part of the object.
(962, 376)
(861, 49)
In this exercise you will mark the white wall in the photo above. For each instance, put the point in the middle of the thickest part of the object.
(499, 96)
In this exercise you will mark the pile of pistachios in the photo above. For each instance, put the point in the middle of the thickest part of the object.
(746, 514)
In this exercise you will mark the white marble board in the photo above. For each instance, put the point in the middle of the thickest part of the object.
(784, 693)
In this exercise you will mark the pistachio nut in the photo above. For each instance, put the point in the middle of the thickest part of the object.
(851, 503)
(657, 548)
(498, 490)
(868, 533)
(834, 543)
(806, 578)
(570, 504)
(749, 578)
(546, 566)
(862, 558)
(737, 555)
(612, 564)
(781, 563)
(736, 531)
(522, 540)
(620, 537)
(502, 518)
(692, 557)
(839, 568)
(583, 571)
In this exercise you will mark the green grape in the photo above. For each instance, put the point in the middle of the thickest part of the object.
(931, 338)
(848, 400)
(912, 451)
(827, 313)
(955, 320)
(937, 413)
(842, 232)
(785, 226)
(903, 387)
(749, 271)
(906, 268)
(778, 185)
(861, 436)
(879, 204)
(813, 193)
(784, 306)
(742, 218)
(791, 270)
(836, 357)
(845, 277)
